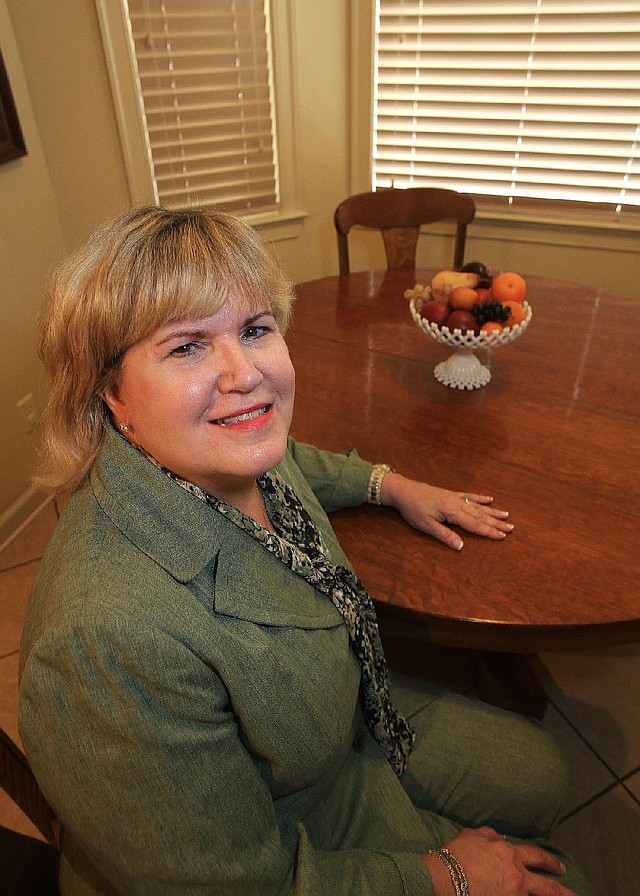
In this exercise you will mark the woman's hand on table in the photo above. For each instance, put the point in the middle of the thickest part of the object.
(493, 865)
(430, 509)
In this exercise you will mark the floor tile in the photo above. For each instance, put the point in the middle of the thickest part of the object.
(13, 818)
(31, 542)
(10, 815)
(605, 839)
(633, 784)
(15, 587)
(588, 776)
(9, 696)
(599, 692)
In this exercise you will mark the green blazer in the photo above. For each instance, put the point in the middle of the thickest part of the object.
(190, 706)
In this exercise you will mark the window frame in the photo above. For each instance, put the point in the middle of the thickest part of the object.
(575, 217)
(283, 223)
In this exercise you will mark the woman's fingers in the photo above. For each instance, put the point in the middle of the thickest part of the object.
(533, 857)
(493, 865)
(479, 517)
(432, 510)
(476, 499)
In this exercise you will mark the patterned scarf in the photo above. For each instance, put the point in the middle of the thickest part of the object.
(297, 542)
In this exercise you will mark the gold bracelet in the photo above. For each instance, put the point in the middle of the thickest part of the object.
(458, 877)
(378, 473)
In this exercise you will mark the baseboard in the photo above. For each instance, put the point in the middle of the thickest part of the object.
(19, 514)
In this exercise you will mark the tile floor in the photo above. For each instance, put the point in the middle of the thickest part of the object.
(594, 712)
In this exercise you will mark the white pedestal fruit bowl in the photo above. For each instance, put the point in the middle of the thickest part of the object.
(463, 370)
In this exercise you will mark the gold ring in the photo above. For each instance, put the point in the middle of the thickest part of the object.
(466, 499)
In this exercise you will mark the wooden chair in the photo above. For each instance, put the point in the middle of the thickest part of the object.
(28, 867)
(398, 214)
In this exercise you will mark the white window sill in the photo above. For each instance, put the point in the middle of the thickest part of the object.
(276, 226)
(628, 223)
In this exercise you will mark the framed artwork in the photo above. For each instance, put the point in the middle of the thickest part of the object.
(12, 144)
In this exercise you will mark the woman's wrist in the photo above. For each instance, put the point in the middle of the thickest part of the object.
(440, 877)
(456, 873)
(390, 488)
(376, 480)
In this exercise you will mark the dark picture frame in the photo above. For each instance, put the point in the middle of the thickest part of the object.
(12, 144)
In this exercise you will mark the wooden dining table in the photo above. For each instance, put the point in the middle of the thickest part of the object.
(554, 437)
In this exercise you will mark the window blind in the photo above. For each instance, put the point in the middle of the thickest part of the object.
(204, 77)
(522, 99)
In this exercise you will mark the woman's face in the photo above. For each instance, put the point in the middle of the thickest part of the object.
(212, 399)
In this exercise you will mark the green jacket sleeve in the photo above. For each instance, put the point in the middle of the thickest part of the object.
(337, 480)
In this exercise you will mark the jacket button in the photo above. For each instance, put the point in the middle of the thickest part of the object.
(360, 742)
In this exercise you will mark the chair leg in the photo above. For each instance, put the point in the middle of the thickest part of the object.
(458, 252)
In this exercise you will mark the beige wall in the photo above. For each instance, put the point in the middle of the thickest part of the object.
(73, 178)
(61, 53)
(31, 241)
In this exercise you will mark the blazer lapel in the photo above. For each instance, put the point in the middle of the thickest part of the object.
(196, 545)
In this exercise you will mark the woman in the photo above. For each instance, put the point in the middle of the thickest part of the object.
(203, 695)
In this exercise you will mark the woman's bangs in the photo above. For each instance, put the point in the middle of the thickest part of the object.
(198, 288)
(191, 292)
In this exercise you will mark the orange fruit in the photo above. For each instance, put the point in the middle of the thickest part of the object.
(517, 314)
(508, 288)
(463, 298)
(491, 326)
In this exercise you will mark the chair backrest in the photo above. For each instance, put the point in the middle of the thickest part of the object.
(399, 214)
(28, 867)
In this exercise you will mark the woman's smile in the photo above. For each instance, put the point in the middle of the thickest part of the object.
(246, 419)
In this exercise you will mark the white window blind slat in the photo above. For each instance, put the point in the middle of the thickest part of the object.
(208, 144)
(520, 100)
(213, 166)
(206, 98)
(204, 78)
(215, 195)
(251, 124)
(219, 183)
(195, 75)
(217, 166)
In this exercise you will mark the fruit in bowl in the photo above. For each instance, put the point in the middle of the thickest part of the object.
(470, 310)
(436, 311)
(463, 298)
(509, 287)
(461, 320)
(485, 299)
(444, 282)
(483, 272)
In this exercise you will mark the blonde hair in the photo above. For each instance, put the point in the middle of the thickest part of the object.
(146, 268)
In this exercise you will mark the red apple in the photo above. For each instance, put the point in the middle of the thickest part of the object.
(483, 294)
(461, 320)
(435, 311)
